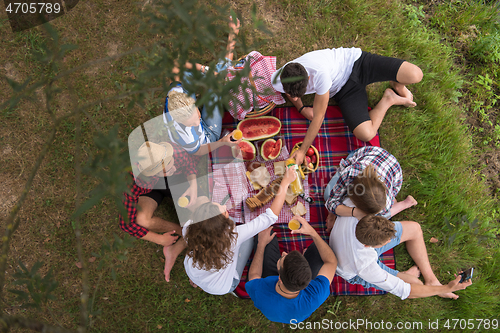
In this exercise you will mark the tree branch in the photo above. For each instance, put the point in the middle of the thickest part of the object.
(15, 210)
(78, 232)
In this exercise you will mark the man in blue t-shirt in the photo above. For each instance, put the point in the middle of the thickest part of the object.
(288, 288)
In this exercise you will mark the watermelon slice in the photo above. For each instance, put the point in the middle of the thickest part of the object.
(259, 128)
(248, 151)
(271, 149)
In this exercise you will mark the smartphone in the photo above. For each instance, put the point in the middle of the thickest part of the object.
(467, 274)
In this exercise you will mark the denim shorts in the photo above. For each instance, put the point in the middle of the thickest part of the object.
(395, 241)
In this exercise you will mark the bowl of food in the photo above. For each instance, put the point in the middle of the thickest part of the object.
(311, 160)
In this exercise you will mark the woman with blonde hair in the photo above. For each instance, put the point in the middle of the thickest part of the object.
(197, 132)
(371, 177)
(217, 249)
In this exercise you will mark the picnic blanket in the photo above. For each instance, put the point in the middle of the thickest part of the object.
(334, 142)
(261, 70)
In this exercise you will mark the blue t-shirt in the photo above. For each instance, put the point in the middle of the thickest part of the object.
(280, 309)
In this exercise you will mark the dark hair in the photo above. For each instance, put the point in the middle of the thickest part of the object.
(374, 230)
(367, 192)
(209, 241)
(297, 88)
(295, 273)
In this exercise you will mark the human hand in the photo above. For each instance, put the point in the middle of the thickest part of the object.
(455, 284)
(226, 140)
(168, 238)
(265, 236)
(234, 25)
(330, 221)
(289, 176)
(305, 228)
(192, 193)
(299, 156)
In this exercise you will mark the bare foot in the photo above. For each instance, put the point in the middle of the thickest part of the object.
(410, 201)
(447, 295)
(330, 221)
(193, 284)
(395, 99)
(170, 257)
(307, 112)
(413, 271)
(401, 90)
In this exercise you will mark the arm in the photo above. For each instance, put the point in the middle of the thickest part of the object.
(255, 271)
(279, 199)
(192, 190)
(329, 259)
(209, 147)
(235, 29)
(187, 65)
(343, 210)
(418, 291)
(319, 110)
(166, 239)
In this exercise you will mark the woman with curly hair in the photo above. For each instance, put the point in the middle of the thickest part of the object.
(217, 249)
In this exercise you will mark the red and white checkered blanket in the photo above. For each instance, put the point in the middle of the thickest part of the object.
(230, 178)
(261, 69)
(286, 214)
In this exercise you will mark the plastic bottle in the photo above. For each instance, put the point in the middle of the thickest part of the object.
(296, 185)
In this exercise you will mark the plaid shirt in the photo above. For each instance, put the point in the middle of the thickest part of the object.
(388, 169)
(183, 162)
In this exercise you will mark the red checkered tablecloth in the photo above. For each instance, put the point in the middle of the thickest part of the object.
(230, 178)
(286, 214)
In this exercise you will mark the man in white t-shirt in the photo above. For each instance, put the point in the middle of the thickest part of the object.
(358, 245)
(343, 74)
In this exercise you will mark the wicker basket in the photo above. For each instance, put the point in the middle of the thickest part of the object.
(307, 171)
(261, 112)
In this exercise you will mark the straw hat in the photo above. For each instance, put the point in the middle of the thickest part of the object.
(153, 157)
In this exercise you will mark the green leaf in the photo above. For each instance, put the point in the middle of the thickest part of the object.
(21, 295)
(94, 200)
(35, 268)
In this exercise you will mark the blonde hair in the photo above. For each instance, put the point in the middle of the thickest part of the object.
(180, 106)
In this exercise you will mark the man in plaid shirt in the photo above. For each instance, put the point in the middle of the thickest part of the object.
(389, 172)
(147, 190)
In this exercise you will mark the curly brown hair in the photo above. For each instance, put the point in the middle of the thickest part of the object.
(209, 240)
(367, 192)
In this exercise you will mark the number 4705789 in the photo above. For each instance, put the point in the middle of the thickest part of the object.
(32, 8)
(471, 324)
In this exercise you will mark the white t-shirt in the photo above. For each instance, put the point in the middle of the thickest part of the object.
(328, 70)
(220, 282)
(356, 259)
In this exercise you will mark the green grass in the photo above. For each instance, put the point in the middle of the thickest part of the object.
(437, 150)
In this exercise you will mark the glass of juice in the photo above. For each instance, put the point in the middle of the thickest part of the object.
(294, 225)
(237, 134)
(183, 201)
